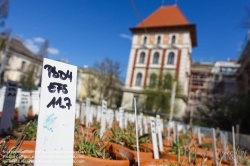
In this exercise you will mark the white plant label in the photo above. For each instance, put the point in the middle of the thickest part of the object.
(35, 102)
(87, 112)
(2, 96)
(56, 121)
(18, 97)
(145, 123)
(121, 118)
(154, 139)
(103, 122)
(158, 123)
(140, 124)
(9, 106)
(99, 113)
(82, 113)
(77, 110)
(126, 119)
(24, 106)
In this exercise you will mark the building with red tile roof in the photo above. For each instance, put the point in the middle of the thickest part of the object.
(162, 44)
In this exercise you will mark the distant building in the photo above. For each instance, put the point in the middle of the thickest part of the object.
(162, 44)
(91, 86)
(19, 61)
(200, 83)
(224, 75)
(243, 78)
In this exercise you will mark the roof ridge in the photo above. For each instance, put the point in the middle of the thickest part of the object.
(158, 17)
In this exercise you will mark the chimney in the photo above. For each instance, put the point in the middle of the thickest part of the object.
(17, 38)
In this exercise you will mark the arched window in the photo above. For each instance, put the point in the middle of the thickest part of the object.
(173, 39)
(145, 40)
(167, 81)
(152, 80)
(199, 96)
(156, 58)
(138, 79)
(171, 58)
(142, 57)
(158, 40)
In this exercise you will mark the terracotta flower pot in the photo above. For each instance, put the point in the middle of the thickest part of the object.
(118, 151)
(143, 155)
(27, 148)
(156, 162)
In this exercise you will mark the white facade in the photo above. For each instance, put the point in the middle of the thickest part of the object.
(180, 66)
(19, 60)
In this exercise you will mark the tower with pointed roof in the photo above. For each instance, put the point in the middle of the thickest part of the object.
(162, 44)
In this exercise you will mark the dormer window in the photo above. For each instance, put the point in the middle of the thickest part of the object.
(173, 39)
(158, 40)
(144, 40)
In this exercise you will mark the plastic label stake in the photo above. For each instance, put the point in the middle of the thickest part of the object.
(87, 112)
(56, 120)
(158, 123)
(103, 121)
(154, 139)
(83, 110)
(8, 106)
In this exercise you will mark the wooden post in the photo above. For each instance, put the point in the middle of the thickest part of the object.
(237, 134)
(136, 130)
(172, 101)
(214, 146)
(235, 161)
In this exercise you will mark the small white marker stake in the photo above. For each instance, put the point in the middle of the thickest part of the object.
(235, 161)
(224, 143)
(199, 135)
(2, 96)
(9, 106)
(121, 118)
(56, 120)
(145, 123)
(83, 109)
(88, 112)
(140, 123)
(158, 127)
(214, 146)
(126, 120)
(35, 101)
(154, 139)
(103, 121)
(24, 106)
(99, 113)
(77, 111)
(136, 130)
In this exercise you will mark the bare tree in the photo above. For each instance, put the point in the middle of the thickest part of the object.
(4, 11)
(245, 23)
(109, 82)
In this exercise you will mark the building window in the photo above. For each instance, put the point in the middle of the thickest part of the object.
(23, 65)
(138, 79)
(145, 40)
(156, 58)
(171, 58)
(158, 40)
(142, 57)
(152, 80)
(8, 61)
(199, 96)
(173, 39)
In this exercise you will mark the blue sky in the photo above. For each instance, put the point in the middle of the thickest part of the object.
(85, 31)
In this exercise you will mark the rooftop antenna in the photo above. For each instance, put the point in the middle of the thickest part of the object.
(176, 1)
